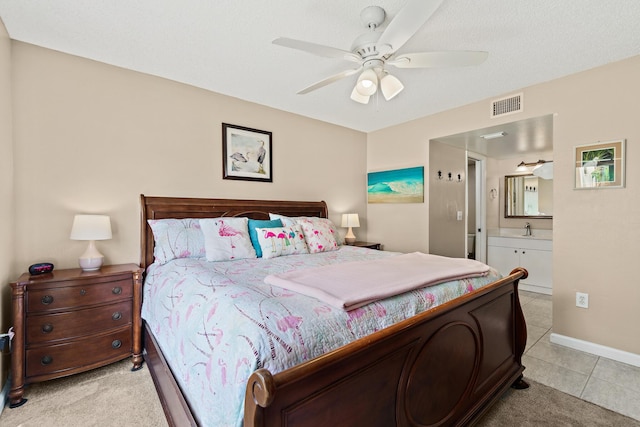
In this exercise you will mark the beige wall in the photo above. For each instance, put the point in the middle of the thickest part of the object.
(595, 231)
(447, 234)
(6, 193)
(90, 138)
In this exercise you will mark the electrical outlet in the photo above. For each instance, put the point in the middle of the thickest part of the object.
(582, 300)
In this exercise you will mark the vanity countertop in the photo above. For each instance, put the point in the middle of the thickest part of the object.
(518, 233)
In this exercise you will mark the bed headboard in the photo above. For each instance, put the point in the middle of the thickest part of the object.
(183, 207)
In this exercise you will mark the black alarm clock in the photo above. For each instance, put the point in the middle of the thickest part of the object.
(40, 268)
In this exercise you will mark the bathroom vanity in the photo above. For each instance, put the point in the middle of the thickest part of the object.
(508, 250)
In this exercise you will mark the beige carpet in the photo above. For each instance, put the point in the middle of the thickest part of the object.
(109, 396)
(115, 396)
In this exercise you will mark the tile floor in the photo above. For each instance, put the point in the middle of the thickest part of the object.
(605, 382)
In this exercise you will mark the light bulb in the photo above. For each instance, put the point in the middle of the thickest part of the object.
(367, 83)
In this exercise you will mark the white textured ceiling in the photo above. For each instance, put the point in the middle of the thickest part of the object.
(225, 46)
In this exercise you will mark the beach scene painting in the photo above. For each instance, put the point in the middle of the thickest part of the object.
(396, 186)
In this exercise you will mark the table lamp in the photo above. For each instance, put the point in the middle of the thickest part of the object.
(350, 220)
(91, 228)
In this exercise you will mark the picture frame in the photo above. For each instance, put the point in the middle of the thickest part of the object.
(600, 165)
(246, 153)
(396, 186)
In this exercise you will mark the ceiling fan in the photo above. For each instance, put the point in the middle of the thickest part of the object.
(373, 51)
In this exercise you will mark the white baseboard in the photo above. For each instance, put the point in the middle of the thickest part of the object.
(4, 394)
(597, 349)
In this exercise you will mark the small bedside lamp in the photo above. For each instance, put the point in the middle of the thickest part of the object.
(91, 228)
(350, 220)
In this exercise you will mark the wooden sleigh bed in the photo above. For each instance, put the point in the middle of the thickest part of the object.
(445, 366)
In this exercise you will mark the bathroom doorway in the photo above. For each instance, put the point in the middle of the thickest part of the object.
(476, 207)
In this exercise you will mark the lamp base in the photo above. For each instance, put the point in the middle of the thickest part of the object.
(350, 238)
(91, 259)
(90, 264)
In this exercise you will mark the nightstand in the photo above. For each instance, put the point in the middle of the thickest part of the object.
(369, 245)
(71, 321)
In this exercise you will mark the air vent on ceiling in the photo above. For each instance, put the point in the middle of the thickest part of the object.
(507, 105)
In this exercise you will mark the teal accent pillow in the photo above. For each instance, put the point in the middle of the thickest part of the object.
(260, 223)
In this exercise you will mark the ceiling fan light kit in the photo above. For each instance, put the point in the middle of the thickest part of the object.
(390, 86)
(355, 95)
(374, 50)
(367, 82)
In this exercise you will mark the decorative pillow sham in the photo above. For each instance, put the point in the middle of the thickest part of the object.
(287, 240)
(258, 223)
(318, 234)
(289, 220)
(227, 239)
(176, 238)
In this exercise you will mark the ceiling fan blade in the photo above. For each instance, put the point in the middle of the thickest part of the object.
(329, 80)
(317, 49)
(457, 58)
(407, 22)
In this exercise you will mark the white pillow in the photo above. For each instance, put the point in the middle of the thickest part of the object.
(176, 238)
(290, 220)
(279, 241)
(226, 239)
(318, 234)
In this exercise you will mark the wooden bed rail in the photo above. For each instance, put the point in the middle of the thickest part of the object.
(442, 367)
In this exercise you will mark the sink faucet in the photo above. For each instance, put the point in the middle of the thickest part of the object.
(527, 229)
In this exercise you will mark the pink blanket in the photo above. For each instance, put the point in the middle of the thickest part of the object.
(354, 284)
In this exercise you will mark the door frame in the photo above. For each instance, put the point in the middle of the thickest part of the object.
(481, 205)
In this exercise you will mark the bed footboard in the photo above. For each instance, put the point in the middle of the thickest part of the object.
(442, 367)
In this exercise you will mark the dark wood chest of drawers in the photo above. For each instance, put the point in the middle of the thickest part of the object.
(70, 321)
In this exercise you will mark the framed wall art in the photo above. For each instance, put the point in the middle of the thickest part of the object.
(396, 186)
(246, 153)
(600, 165)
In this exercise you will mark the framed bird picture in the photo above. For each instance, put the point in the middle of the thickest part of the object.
(246, 153)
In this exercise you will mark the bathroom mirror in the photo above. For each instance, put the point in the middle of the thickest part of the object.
(528, 196)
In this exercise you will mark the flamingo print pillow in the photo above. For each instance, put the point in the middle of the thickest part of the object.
(176, 238)
(289, 220)
(318, 235)
(281, 241)
(227, 239)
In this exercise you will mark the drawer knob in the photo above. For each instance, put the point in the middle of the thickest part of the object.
(47, 299)
(116, 344)
(116, 316)
(47, 328)
(46, 360)
(117, 290)
(83, 292)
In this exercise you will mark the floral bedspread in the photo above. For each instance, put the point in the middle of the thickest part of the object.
(217, 322)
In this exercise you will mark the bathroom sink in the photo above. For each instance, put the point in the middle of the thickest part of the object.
(516, 233)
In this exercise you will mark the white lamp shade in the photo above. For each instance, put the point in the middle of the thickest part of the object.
(91, 227)
(350, 220)
(355, 95)
(367, 82)
(390, 86)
